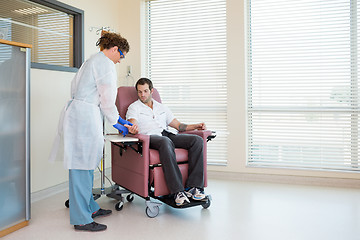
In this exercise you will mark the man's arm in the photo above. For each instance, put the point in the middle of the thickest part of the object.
(131, 116)
(181, 127)
(134, 129)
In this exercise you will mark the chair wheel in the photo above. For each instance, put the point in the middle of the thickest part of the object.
(152, 214)
(206, 204)
(119, 206)
(67, 203)
(130, 197)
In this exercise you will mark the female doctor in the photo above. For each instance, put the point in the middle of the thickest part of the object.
(93, 93)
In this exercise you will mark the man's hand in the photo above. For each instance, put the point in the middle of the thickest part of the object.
(200, 126)
(134, 129)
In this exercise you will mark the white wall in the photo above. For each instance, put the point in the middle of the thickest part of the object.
(51, 89)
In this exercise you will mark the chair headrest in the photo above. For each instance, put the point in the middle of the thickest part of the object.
(128, 95)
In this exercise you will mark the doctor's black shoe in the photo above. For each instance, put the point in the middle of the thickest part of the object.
(91, 227)
(101, 213)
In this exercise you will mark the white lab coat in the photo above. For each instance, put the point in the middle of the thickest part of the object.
(80, 133)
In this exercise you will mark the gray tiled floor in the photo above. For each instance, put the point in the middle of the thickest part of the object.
(239, 210)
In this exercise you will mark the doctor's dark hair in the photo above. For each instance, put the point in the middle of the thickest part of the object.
(143, 81)
(110, 39)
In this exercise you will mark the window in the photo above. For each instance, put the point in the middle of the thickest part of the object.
(186, 60)
(52, 28)
(303, 93)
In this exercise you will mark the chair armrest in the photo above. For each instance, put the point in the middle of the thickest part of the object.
(145, 139)
(118, 138)
(141, 137)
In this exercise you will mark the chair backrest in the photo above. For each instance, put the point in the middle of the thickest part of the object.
(128, 95)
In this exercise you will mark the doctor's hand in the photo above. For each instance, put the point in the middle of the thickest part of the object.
(123, 130)
(123, 121)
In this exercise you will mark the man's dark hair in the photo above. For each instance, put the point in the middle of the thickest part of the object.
(143, 81)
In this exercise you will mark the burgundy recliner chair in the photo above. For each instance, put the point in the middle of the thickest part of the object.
(137, 168)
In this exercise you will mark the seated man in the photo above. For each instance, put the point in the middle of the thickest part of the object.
(153, 118)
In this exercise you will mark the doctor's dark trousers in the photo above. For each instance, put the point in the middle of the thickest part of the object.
(81, 200)
(166, 145)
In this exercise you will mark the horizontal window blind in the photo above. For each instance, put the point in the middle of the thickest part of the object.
(303, 94)
(5, 50)
(55, 40)
(186, 60)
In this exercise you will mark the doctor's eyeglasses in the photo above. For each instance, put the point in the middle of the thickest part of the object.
(122, 56)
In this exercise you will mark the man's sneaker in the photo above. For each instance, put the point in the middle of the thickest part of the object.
(195, 193)
(181, 199)
(101, 212)
(91, 227)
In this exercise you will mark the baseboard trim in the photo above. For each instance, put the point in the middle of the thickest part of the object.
(48, 192)
(13, 228)
(285, 179)
(247, 177)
